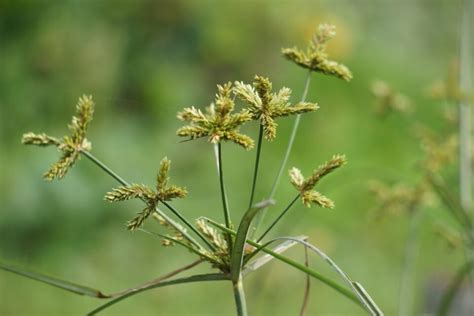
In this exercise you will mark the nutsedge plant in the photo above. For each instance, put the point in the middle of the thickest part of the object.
(231, 249)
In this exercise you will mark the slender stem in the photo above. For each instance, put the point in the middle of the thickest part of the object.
(239, 296)
(279, 217)
(104, 167)
(225, 204)
(257, 162)
(406, 294)
(197, 232)
(289, 147)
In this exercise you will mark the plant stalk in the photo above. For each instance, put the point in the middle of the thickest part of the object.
(279, 217)
(225, 203)
(239, 296)
(289, 147)
(257, 162)
(104, 167)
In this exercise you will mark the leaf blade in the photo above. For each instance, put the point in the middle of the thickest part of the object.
(62, 284)
(241, 237)
(191, 279)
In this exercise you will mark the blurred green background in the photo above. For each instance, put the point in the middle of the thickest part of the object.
(143, 61)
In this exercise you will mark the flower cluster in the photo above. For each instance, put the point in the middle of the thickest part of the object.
(266, 106)
(219, 123)
(306, 186)
(315, 58)
(69, 146)
(164, 192)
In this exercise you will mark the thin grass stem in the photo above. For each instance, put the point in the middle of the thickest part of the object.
(225, 203)
(289, 147)
(278, 218)
(104, 167)
(239, 296)
(257, 162)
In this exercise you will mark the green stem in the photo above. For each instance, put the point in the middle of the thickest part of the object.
(184, 220)
(279, 217)
(104, 167)
(225, 203)
(257, 162)
(239, 296)
(289, 147)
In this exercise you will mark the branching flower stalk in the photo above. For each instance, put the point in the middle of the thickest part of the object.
(305, 188)
(315, 59)
(230, 251)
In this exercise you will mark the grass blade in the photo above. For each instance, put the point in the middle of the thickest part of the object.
(191, 279)
(242, 232)
(65, 285)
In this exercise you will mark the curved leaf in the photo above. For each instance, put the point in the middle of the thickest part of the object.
(194, 278)
(357, 288)
(65, 285)
(244, 226)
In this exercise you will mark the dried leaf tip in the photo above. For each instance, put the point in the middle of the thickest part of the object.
(306, 186)
(315, 57)
(266, 106)
(220, 123)
(70, 146)
(164, 192)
